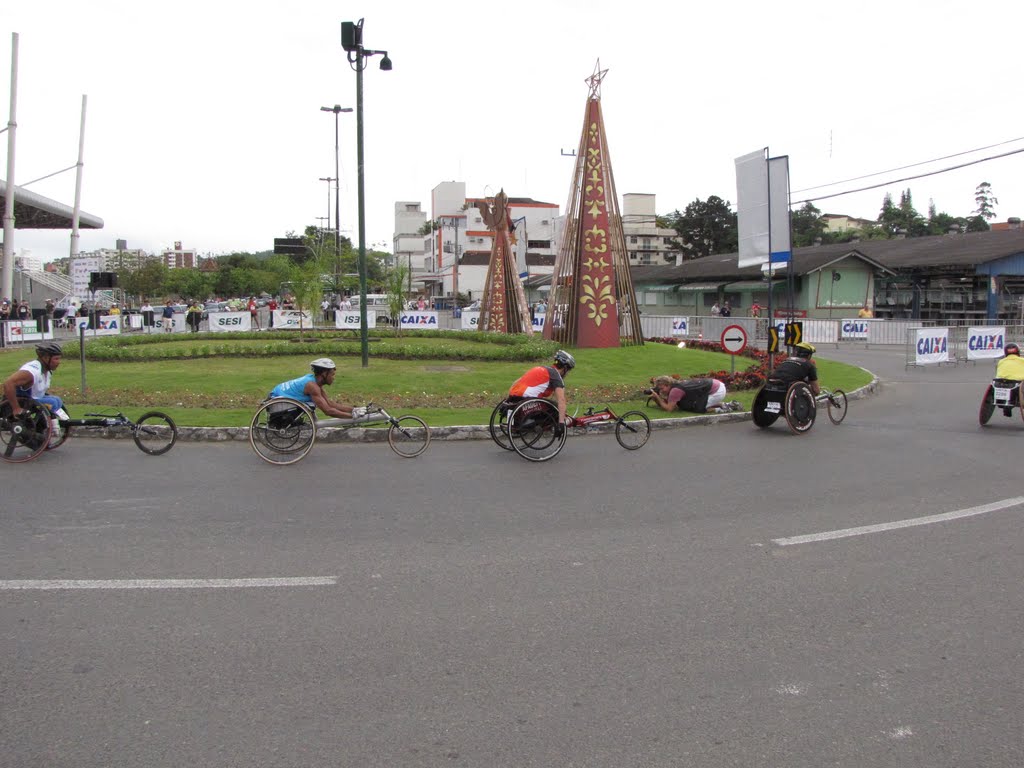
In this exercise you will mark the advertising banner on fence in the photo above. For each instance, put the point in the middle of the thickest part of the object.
(986, 343)
(107, 325)
(422, 321)
(680, 326)
(932, 346)
(853, 328)
(348, 319)
(470, 320)
(222, 322)
(16, 331)
(291, 319)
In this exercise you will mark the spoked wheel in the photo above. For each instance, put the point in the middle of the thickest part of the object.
(532, 430)
(155, 433)
(282, 431)
(25, 437)
(408, 436)
(499, 425)
(837, 406)
(988, 406)
(800, 408)
(59, 431)
(632, 430)
(759, 410)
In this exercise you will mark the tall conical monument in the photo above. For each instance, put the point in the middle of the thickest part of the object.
(591, 303)
(503, 308)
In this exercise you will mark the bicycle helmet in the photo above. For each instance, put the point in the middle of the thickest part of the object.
(48, 349)
(563, 358)
(1011, 349)
(322, 364)
(803, 349)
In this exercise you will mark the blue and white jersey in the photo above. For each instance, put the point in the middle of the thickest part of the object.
(295, 389)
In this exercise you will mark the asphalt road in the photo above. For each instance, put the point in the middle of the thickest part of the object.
(469, 608)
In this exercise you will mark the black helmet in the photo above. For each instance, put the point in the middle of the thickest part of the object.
(564, 359)
(48, 349)
(1011, 349)
(803, 349)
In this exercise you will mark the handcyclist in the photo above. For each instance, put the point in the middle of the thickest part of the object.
(545, 380)
(1012, 365)
(310, 389)
(798, 367)
(33, 380)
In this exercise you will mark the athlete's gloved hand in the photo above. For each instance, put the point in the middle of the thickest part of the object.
(559, 429)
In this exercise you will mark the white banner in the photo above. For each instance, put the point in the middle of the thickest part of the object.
(16, 331)
(79, 270)
(423, 321)
(680, 326)
(752, 208)
(470, 320)
(286, 319)
(778, 209)
(349, 319)
(932, 346)
(135, 322)
(230, 321)
(853, 328)
(109, 325)
(986, 343)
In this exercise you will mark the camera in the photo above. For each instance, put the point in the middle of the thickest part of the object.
(648, 391)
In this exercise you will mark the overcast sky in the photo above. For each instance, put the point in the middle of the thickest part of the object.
(204, 120)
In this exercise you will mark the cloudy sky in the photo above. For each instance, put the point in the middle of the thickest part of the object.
(204, 121)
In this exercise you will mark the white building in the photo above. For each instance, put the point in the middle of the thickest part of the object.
(647, 244)
(408, 244)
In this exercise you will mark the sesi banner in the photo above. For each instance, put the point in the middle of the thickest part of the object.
(349, 319)
(470, 320)
(230, 321)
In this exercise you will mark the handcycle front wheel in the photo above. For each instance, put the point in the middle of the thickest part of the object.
(24, 437)
(408, 436)
(498, 425)
(531, 428)
(632, 430)
(282, 431)
(763, 418)
(155, 433)
(988, 406)
(836, 406)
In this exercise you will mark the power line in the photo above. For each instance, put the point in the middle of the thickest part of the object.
(906, 178)
(912, 165)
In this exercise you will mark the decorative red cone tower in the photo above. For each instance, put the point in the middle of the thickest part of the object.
(591, 303)
(503, 308)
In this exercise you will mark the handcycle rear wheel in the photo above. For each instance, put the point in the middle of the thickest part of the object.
(25, 437)
(282, 431)
(532, 430)
(499, 425)
(836, 406)
(632, 430)
(800, 408)
(988, 406)
(155, 433)
(408, 436)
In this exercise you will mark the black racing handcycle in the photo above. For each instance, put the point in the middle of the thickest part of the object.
(1003, 394)
(796, 404)
(25, 436)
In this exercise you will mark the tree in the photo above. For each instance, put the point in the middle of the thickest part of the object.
(147, 280)
(705, 228)
(394, 287)
(188, 284)
(807, 226)
(986, 202)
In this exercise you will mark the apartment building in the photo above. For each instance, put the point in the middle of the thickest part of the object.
(179, 258)
(647, 244)
(408, 243)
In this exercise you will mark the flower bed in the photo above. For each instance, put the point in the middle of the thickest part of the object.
(751, 378)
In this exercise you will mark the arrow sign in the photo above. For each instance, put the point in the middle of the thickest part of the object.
(773, 340)
(734, 339)
(794, 334)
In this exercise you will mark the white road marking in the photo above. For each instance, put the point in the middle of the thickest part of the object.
(301, 581)
(843, 533)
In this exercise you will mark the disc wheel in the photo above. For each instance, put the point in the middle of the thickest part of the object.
(988, 406)
(408, 436)
(762, 417)
(499, 425)
(632, 430)
(155, 433)
(60, 430)
(532, 430)
(282, 431)
(800, 408)
(25, 437)
(837, 406)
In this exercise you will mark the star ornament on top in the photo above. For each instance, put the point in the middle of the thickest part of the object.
(594, 81)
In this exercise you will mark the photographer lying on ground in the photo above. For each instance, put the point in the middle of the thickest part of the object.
(696, 395)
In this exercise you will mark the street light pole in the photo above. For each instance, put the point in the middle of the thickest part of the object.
(328, 179)
(336, 109)
(352, 42)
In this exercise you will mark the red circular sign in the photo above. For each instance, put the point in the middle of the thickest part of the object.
(734, 339)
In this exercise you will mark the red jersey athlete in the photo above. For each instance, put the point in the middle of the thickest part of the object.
(544, 380)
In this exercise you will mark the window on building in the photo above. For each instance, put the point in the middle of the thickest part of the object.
(538, 243)
(545, 222)
(672, 299)
(632, 239)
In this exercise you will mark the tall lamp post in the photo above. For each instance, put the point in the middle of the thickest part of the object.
(336, 109)
(352, 42)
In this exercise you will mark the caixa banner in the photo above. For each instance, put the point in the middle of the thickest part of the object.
(107, 325)
(424, 321)
(986, 343)
(680, 326)
(853, 328)
(932, 345)
(229, 321)
(350, 319)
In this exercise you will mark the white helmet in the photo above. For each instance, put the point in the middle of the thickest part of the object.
(323, 364)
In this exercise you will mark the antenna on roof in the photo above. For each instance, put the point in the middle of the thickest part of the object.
(568, 154)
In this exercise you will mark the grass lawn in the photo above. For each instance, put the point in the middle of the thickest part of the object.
(218, 391)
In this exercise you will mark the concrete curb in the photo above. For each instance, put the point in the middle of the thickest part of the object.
(470, 432)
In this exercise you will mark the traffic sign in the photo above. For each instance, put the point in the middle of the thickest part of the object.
(773, 339)
(734, 339)
(794, 334)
